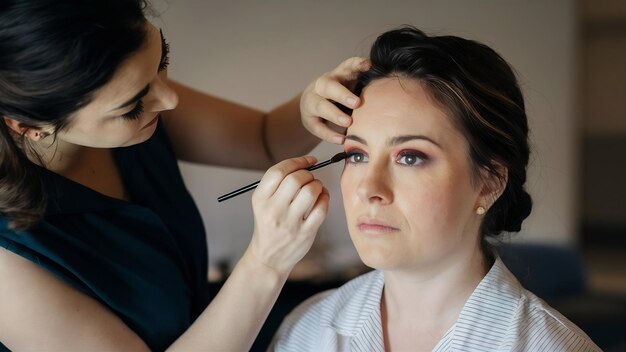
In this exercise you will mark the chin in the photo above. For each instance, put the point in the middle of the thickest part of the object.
(377, 257)
(141, 136)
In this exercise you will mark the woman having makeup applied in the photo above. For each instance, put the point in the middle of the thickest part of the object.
(438, 151)
(101, 246)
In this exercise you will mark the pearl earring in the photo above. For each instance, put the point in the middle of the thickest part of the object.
(480, 210)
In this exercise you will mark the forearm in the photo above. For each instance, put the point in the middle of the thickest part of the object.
(285, 136)
(281, 238)
(202, 127)
(234, 318)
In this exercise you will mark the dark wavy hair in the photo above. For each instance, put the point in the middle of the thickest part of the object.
(55, 55)
(482, 96)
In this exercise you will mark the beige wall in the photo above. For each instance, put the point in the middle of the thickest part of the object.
(261, 53)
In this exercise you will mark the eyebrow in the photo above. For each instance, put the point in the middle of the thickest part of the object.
(396, 140)
(142, 93)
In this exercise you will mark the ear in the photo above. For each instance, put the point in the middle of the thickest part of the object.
(20, 128)
(493, 185)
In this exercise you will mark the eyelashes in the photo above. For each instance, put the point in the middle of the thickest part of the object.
(135, 113)
(165, 61)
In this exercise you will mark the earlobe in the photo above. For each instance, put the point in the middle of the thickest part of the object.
(33, 133)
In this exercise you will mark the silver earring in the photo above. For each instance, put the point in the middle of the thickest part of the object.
(480, 210)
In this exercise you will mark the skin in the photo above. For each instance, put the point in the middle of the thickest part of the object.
(39, 311)
(410, 207)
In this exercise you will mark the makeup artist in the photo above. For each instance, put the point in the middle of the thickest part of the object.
(101, 245)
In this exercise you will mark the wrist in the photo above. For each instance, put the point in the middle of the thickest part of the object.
(253, 266)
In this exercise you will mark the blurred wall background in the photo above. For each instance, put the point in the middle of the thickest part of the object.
(263, 53)
(602, 138)
(603, 106)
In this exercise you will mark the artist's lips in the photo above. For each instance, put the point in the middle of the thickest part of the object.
(374, 226)
(152, 122)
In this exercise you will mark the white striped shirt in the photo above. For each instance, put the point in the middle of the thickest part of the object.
(500, 315)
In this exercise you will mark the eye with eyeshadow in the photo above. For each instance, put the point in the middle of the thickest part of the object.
(411, 158)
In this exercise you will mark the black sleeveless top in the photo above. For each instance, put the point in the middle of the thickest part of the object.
(145, 260)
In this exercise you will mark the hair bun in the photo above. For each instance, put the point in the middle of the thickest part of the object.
(518, 211)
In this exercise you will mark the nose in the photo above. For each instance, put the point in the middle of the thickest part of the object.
(375, 186)
(162, 96)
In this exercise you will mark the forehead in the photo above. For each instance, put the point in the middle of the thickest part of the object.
(400, 106)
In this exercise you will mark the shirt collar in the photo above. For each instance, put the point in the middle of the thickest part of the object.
(359, 320)
(488, 311)
(492, 305)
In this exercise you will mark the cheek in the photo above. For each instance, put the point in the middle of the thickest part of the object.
(433, 208)
(103, 134)
(348, 192)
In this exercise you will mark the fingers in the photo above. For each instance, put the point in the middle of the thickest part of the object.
(318, 212)
(325, 133)
(336, 85)
(305, 199)
(289, 206)
(324, 110)
(349, 69)
(292, 185)
(317, 101)
(331, 87)
(331, 112)
(275, 175)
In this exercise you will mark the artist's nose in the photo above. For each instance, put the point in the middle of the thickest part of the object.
(161, 97)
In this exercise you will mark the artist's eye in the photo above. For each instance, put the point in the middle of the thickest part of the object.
(411, 158)
(135, 113)
(356, 158)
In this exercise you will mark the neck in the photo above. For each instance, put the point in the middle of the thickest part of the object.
(59, 156)
(436, 294)
(94, 168)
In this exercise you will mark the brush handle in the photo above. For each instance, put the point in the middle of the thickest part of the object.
(252, 186)
(322, 164)
(238, 191)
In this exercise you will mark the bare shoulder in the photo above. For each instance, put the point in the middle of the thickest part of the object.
(40, 312)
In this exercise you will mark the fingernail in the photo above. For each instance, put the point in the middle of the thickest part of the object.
(351, 101)
(344, 120)
(337, 139)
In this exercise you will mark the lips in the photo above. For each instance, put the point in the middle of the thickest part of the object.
(152, 122)
(374, 226)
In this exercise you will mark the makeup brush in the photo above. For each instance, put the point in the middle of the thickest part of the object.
(337, 157)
